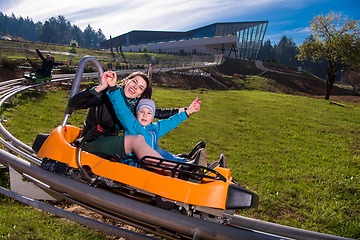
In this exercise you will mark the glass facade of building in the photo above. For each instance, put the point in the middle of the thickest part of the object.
(250, 36)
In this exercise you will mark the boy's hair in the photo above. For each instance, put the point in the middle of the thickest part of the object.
(148, 90)
(146, 103)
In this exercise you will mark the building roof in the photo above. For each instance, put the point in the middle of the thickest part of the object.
(250, 36)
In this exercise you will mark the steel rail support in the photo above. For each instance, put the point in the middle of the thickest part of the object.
(143, 212)
(107, 228)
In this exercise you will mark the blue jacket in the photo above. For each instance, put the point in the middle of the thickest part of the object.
(132, 126)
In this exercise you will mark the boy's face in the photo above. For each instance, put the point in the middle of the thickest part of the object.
(144, 116)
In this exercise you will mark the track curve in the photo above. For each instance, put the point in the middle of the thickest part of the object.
(149, 218)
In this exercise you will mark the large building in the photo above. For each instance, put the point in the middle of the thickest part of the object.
(234, 39)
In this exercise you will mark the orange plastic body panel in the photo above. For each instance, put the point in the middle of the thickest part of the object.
(208, 193)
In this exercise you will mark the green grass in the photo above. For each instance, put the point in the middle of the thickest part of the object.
(18, 221)
(104, 56)
(301, 155)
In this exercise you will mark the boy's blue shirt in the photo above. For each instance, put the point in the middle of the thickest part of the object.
(132, 126)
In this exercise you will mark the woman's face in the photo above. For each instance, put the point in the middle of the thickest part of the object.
(135, 87)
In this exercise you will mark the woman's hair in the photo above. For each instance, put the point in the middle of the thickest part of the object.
(148, 90)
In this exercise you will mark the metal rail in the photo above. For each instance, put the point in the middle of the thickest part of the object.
(150, 218)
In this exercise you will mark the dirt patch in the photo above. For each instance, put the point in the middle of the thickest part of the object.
(6, 74)
(191, 80)
(290, 84)
(76, 209)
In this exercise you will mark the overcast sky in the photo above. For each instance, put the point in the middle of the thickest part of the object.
(116, 17)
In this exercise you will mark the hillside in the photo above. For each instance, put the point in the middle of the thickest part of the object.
(242, 75)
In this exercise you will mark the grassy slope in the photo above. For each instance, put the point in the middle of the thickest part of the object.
(301, 155)
(11, 51)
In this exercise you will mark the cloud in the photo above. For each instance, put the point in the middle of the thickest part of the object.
(119, 16)
(115, 17)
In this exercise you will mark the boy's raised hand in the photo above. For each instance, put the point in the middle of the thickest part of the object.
(194, 106)
(110, 77)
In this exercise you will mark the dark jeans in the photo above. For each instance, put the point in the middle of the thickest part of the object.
(44, 72)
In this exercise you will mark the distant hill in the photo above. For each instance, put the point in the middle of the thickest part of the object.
(239, 74)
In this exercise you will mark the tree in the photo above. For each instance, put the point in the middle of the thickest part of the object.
(266, 51)
(49, 31)
(286, 50)
(144, 49)
(64, 28)
(337, 40)
(89, 34)
(4, 30)
(111, 48)
(354, 78)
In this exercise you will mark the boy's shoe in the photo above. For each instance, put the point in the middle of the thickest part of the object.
(223, 161)
(214, 165)
(201, 157)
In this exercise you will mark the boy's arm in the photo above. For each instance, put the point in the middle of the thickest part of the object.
(123, 113)
(166, 125)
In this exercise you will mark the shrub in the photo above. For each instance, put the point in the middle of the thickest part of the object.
(33, 63)
(67, 69)
(89, 69)
(10, 64)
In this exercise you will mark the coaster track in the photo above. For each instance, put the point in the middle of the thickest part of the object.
(151, 219)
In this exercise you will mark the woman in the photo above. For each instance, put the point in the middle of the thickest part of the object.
(101, 112)
(47, 64)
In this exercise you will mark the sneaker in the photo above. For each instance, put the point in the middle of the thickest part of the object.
(214, 165)
(201, 157)
(223, 161)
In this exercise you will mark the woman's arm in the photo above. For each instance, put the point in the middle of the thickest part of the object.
(40, 55)
(162, 113)
(89, 97)
(86, 98)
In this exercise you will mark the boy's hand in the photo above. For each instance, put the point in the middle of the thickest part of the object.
(194, 106)
(105, 78)
(110, 77)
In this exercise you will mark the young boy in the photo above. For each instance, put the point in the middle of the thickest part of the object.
(143, 123)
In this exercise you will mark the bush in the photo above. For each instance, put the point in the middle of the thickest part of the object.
(89, 69)
(33, 63)
(10, 64)
(67, 69)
